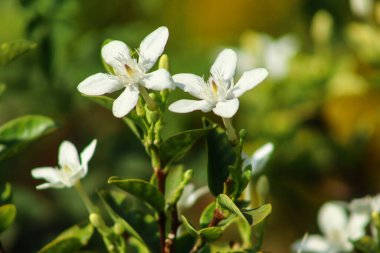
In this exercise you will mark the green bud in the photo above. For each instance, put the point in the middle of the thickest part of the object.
(140, 110)
(118, 228)
(243, 133)
(321, 27)
(262, 188)
(188, 175)
(97, 221)
(163, 63)
(152, 116)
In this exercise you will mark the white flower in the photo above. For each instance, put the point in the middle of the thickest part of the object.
(190, 196)
(338, 229)
(366, 205)
(362, 8)
(130, 74)
(220, 93)
(70, 169)
(259, 158)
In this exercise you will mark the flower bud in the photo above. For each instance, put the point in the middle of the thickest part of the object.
(321, 27)
(163, 63)
(118, 228)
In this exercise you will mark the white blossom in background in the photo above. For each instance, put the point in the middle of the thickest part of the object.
(337, 228)
(220, 93)
(72, 167)
(362, 8)
(273, 54)
(190, 196)
(130, 74)
(259, 158)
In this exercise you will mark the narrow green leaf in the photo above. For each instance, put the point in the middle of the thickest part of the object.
(175, 147)
(141, 189)
(13, 49)
(207, 215)
(220, 154)
(259, 214)
(18, 132)
(7, 216)
(70, 240)
(174, 187)
(211, 234)
(189, 228)
(226, 203)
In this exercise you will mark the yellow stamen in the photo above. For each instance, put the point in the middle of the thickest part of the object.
(128, 69)
(214, 87)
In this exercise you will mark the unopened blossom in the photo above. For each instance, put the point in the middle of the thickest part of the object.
(129, 73)
(259, 158)
(71, 166)
(338, 229)
(220, 93)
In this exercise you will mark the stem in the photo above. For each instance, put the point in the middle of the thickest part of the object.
(149, 101)
(199, 243)
(230, 131)
(173, 230)
(161, 177)
(85, 198)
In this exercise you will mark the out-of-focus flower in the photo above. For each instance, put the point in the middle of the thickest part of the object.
(338, 229)
(367, 205)
(220, 93)
(70, 169)
(128, 73)
(273, 54)
(190, 196)
(259, 158)
(362, 8)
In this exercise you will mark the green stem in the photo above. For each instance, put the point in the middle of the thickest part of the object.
(230, 131)
(85, 198)
(149, 101)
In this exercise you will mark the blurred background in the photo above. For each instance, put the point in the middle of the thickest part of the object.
(320, 105)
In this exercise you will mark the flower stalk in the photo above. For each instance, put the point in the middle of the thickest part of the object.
(230, 131)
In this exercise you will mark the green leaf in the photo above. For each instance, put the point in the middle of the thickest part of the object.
(141, 189)
(366, 244)
(18, 132)
(7, 216)
(70, 240)
(207, 215)
(175, 147)
(211, 234)
(175, 183)
(5, 193)
(259, 214)
(189, 228)
(221, 155)
(226, 203)
(13, 49)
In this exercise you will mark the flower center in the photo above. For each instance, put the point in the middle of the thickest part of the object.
(129, 72)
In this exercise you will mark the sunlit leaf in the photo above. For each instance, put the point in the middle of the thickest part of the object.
(259, 214)
(189, 228)
(18, 132)
(226, 203)
(207, 215)
(7, 216)
(13, 49)
(141, 189)
(211, 234)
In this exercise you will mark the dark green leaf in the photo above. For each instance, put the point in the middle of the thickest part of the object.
(13, 49)
(259, 214)
(16, 133)
(141, 189)
(175, 183)
(70, 240)
(226, 203)
(221, 155)
(7, 216)
(207, 215)
(175, 147)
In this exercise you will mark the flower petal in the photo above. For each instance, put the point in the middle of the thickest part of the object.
(313, 243)
(86, 155)
(50, 185)
(226, 109)
(356, 225)
(187, 105)
(189, 83)
(261, 157)
(50, 174)
(68, 155)
(125, 102)
(332, 218)
(99, 84)
(152, 47)
(114, 51)
(248, 80)
(157, 80)
(225, 65)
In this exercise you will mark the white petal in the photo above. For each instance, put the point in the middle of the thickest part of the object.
(86, 155)
(227, 109)
(248, 80)
(190, 83)
(356, 225)
(157, 80)
(225, 65)
(152, 47)
(68, 155)
(313, 243)
(261, 157)
(332, 218)
(99, 84)
(114, 51)
(187, 105)
(50, 185)
(125, 102)
(48, 173)
(189, 196)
